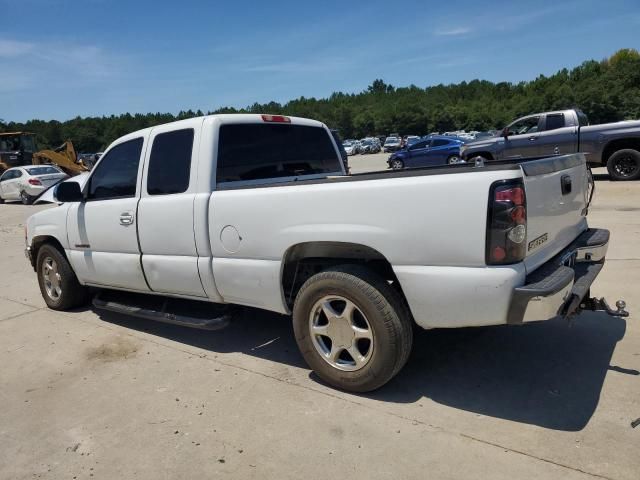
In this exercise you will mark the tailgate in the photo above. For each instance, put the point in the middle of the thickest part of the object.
(556, 190)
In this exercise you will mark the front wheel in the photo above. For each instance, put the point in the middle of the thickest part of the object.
(453, 159)
(352, 327)
(58, 283)
(397, 164)
(624, 165)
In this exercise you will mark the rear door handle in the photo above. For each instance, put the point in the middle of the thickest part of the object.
(126, 218)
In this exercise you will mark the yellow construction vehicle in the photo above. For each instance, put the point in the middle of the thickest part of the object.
(64, 157)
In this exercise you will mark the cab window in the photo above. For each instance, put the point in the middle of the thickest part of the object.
(525, 126)
(117, 173)
(554, 121)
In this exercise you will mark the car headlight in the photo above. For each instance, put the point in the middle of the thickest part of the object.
(463, 149)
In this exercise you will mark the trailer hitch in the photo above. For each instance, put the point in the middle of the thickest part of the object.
(600, 305)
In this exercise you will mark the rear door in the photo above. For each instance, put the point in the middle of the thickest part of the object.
(440, 150)
(166, 210)
(558, 135)
(556, 190)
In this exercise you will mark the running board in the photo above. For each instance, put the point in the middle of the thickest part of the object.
(187, 313)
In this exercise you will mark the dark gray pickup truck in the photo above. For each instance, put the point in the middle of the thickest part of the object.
(614, 145)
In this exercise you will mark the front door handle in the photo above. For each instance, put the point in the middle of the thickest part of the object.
(533, 139)
(126, 218)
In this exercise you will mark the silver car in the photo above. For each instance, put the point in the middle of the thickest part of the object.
(27, 182)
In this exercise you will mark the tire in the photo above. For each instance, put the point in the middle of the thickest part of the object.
(380, 319)
(397, 164)
(25, 198)
(1, 200)
(69, 293)
(453, 159)
(624, 165)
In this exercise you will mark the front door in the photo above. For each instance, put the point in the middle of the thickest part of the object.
(102, 229)
(418, 154)
(523, 138)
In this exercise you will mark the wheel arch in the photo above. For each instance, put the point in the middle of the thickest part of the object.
(303, 260)
(39, 241)
(619, 144)
(486, 154)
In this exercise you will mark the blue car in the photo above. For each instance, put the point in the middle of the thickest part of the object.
(434, 150)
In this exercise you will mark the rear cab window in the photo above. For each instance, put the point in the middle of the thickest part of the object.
(269, 153)
(554, 121)
(170, 162)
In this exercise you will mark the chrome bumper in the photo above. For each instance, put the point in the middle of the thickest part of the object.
(561, 286)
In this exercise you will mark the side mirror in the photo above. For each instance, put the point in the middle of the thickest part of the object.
(68, 192)
(505, 132)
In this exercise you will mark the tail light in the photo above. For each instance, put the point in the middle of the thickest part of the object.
(276, 119)
(506, 223)
(34, 181)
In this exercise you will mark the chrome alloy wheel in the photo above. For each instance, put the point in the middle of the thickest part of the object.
(341, 333)
(52, 278)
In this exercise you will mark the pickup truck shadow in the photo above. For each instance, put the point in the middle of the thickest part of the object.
(548, 374)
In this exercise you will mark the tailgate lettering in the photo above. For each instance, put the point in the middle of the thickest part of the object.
(535, 243)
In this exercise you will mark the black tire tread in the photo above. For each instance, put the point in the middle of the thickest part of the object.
(611, 161)
(387, 300)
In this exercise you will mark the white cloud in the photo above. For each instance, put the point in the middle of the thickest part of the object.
(54, 64)
(13, 48)
(452, 32)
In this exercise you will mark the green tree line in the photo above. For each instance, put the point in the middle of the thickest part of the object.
(607, 90)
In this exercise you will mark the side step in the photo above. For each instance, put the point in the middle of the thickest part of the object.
(188, 313)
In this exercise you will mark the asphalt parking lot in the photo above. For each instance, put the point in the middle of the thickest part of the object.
(95, 395)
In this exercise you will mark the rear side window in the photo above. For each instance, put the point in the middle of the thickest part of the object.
(261, 151)
(116, 175)
(555, 121)
(582, 119)
(439, 143)
(170, 163)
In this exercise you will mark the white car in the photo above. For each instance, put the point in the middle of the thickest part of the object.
(257, 210)
(27, 182)
(350, 147)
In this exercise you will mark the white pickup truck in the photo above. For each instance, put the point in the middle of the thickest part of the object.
(257, 210)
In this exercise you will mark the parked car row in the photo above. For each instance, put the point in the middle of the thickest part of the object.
(366, 145)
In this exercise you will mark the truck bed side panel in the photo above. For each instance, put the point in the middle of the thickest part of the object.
(435, 220)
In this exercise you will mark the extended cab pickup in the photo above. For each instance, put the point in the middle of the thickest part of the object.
(257, 210)
(614, 145)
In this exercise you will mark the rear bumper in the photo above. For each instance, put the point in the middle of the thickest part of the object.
(559, 286)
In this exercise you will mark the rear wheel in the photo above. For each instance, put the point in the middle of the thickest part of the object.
(352, 328)
(624, 165)
(397, 164)
(25, 198)
(58, 283)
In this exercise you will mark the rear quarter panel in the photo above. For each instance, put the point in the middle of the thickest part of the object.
(432, 220)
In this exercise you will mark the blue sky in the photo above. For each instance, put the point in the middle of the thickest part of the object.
(59, 58)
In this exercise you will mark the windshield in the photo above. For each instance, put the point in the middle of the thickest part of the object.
(28, 143)
(391, 140)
